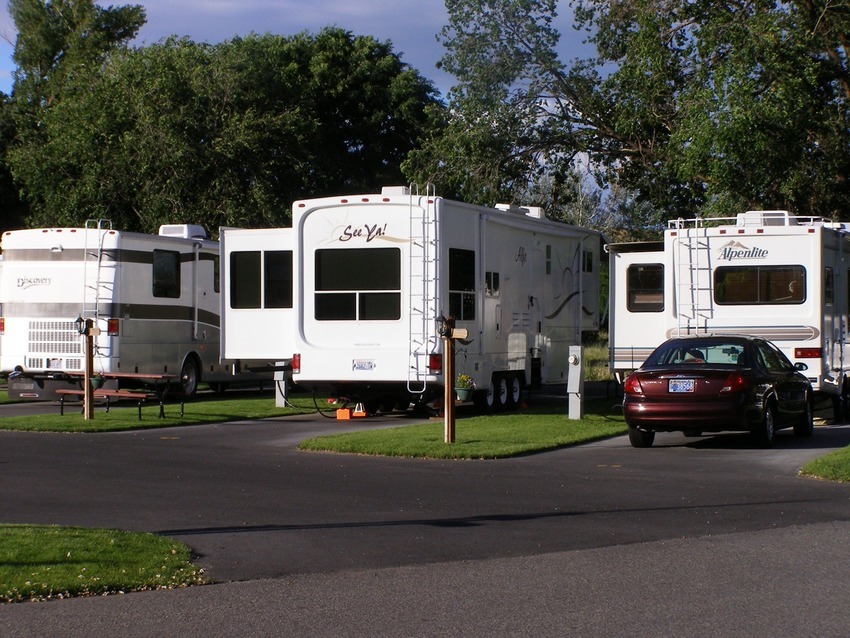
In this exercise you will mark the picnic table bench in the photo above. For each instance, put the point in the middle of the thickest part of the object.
(104, 393)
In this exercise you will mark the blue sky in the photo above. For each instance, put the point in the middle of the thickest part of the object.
(411, 25)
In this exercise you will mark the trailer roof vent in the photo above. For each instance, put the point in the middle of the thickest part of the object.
(535, 211)
(766, 218)
(184, 231)
(395, 190)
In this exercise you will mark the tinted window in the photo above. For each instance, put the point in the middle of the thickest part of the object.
(645, 288)
(278, 278)
(358, 284)
(166, 274)
(754, 285)
(245, 279)
(462, 284)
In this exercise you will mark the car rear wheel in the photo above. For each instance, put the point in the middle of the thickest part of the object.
(765, 433)
(641, 438)
(806, 425)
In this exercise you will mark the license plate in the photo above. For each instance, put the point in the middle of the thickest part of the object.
(363, 364)
(680, 385)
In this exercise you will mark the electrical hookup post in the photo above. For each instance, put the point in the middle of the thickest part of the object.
(449, 333)
(575, 382)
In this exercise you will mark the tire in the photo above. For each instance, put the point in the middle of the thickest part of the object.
(765, 433)
(806, 425)
(840, 405)
(491, 399)
(190, 376)
(500, 398)
(641, 438)
(514, 391)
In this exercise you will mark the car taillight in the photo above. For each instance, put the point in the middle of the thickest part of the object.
(2, 325)
(296, 364)
(435, 363)
(735, 382)
(632, 385)
(112, 327)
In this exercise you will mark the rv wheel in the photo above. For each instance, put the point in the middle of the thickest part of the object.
(189, 377)
(514, 391)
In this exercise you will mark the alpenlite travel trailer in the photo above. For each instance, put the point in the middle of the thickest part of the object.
(763, 273)
(154, 298)
(377, 273)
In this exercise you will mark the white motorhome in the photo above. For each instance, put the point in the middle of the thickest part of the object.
(154, 298)
(763, 273)
(375, 274)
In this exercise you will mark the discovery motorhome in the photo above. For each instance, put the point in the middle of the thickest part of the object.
(153, 297)
(763, 273)
(374, 275)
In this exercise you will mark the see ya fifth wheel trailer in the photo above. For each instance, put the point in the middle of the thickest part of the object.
(154, 299)
(763, 273)
(377, 273)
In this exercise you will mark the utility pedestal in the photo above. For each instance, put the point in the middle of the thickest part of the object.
(575, 382)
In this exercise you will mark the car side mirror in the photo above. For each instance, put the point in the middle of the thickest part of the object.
(800, 366)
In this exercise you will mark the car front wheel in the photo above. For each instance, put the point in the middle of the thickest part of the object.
(806, 425)
(765, 433)
(641, 438)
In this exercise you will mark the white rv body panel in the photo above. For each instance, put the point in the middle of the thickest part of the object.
(258, 319)
(380, 271)
(153, 297)
(764, 273)
(374, 275)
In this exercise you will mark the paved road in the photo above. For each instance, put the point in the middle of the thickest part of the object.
(693, 536)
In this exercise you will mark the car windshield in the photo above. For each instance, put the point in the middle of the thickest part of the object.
(693, 351)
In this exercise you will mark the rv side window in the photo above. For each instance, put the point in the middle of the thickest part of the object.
(166, 274)
(587, 261)
(245, 279)
(462, 284)
(491, 284)
(278, 279)
(828, 287)
(645, 288)
(358, 284)
(760, 285)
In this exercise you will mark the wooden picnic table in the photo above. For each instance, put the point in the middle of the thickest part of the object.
(158, 382)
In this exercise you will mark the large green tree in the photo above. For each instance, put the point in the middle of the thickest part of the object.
(59, 44)
(225, 134)
(696, 107)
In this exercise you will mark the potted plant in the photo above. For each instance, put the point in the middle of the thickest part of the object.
(97, 381)
(464, 386)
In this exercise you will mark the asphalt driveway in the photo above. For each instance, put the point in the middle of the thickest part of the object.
(314, 543)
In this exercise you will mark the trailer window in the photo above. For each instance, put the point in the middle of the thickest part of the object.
(491, 284)
(462, 284)
(358, 284)
(828, 287)
(278, 279)
(760, 285)
(645, 288)
(166, 274)
(245, 279)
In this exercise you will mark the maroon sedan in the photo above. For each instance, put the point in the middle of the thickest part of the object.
(715, 383)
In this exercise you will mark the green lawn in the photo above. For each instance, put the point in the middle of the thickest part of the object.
(46, 562)
(482, 437)
(232, 407)
(834, 466)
